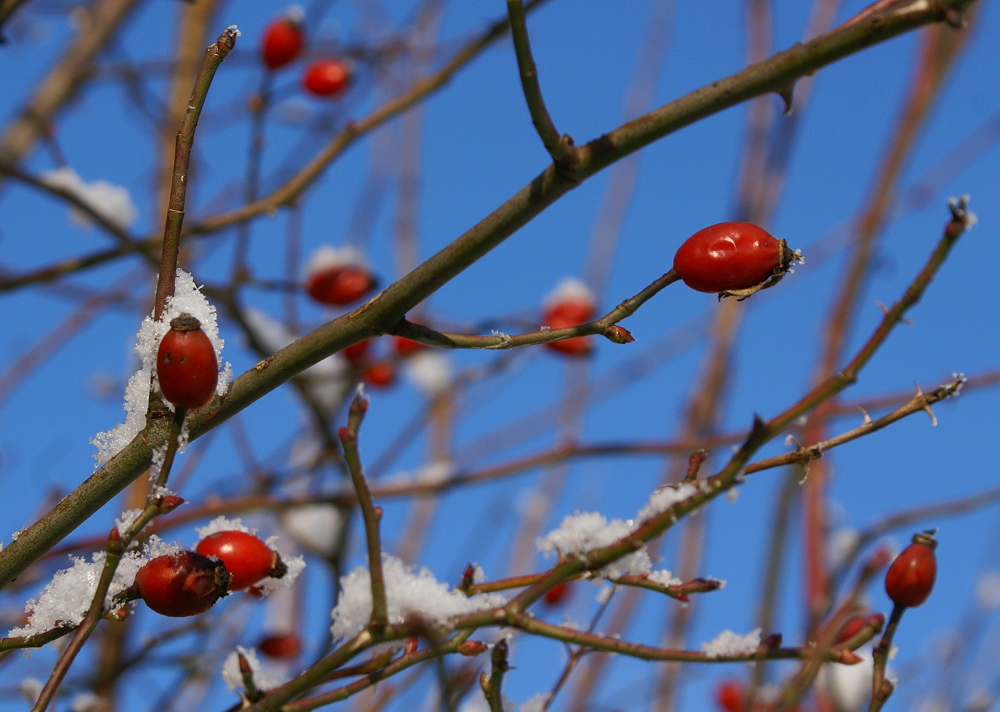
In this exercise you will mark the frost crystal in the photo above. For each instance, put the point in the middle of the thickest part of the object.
(315, 526)
(110, 201)
(729, 643)
(262, 678)
(187, 299)
(408, 592)
(295, 564)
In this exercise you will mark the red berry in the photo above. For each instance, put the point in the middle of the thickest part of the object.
(247, 558)
(355, 352)
(326, 77)
(283, 645)
(186, 365)
(730, 695)
(340, 285)
(181, 584)
(571, 312)
(282, 42)
(557, 594)
(910, 578)
(380, 374)
(732, 258)
(406, 347)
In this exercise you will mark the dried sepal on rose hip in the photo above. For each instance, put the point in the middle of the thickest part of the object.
(186, 366)
(910, 578)
(181, 584)
(733, 259)
(247, 558)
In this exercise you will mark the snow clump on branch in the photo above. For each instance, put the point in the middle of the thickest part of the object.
(408, 592)
(112, 202)
(187, 299)
(729, 643)
(583, 532)
(66, 598)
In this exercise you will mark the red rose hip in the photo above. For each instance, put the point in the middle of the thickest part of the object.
(380, 374)
(282, 41)
(557, 594)
(733, 259)
(571, 303)
(326, 77)
(181, 584)
(248, 559)
(282, 645)
(910, 577)
(185, 364)
(730, 695)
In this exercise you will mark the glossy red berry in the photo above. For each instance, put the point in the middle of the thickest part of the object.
(181, 584)
(282, 42)
(326, 77)
(732, 258)
(380, 374)
(730, 695)
(340, 285)
(282, 645)
(185, 364)
(557, 594)
(910, 578)
(247, 558)
(406, 347)
(356, 352)
(561, 315)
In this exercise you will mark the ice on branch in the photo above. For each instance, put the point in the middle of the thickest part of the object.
(583, 532)
(263, 679)
(729, 643)
(66, 598)
(409, 592)
(187, 299)
(110, 201)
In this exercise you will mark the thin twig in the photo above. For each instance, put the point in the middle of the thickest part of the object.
(561, 148)
(214, 55)
(349, 439)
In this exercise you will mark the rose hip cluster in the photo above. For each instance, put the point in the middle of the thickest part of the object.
(186, 583)
(282, 44)
(380, 370)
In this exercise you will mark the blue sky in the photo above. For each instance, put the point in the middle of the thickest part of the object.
(477, 147)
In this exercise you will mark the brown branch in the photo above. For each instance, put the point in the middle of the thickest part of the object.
(561, 148)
